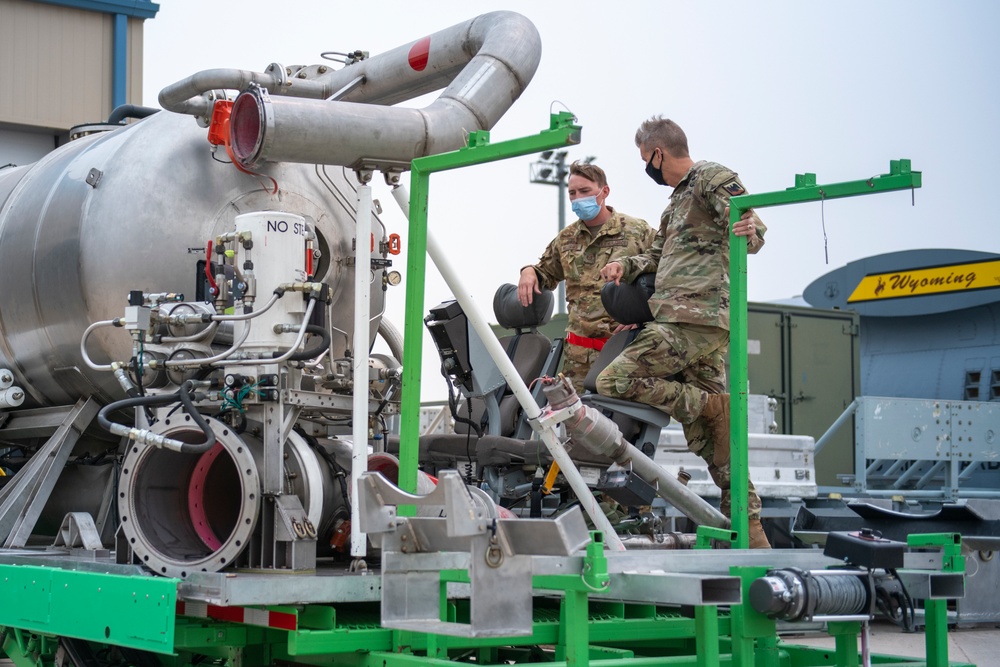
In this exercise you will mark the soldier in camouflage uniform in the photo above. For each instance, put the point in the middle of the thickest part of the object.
(577, 256)
(677, 362)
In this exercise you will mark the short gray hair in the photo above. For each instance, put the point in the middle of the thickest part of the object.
(660, 132)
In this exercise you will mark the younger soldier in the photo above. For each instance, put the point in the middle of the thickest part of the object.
(577, 256)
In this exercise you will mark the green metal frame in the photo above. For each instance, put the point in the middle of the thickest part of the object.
(900, 177)
(133, 611)
(562, 132)
(39, 604)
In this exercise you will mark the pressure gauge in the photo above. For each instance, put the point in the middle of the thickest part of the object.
(394, 278)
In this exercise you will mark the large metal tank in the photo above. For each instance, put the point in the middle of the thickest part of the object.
(132, 209)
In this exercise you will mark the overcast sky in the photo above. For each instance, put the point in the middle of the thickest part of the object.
(769, 89)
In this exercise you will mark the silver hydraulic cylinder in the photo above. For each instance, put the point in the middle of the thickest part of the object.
(591, 430)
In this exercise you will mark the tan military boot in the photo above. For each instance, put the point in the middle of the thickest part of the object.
(758, 540)
(716, 414)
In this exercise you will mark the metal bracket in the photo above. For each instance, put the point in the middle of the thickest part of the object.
(291, 523)
(78, 531)
(423, 555)
(22, 499)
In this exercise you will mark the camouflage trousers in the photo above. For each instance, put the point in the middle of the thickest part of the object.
(674, 367)
(576, 364)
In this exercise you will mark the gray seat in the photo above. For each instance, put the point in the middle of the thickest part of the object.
(495, 413)
(532, 354)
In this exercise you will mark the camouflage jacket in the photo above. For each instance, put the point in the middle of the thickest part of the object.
(577, 256)
(691, 251)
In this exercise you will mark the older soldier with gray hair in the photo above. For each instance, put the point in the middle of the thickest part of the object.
(677, 362)
(577, 256)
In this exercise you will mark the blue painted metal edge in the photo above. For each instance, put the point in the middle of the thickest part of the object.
(142, 9)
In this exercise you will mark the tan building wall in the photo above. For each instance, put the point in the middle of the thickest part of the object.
(56, 65)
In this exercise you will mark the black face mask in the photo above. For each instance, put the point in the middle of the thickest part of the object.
(655, 173)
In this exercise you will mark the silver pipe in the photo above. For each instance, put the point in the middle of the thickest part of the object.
(277, 360)
(359, 364)
(935, 469)
(181, 363)
(190, 95)
(598, 434)
(492, 58)
(895, 467)
(909, 473)
(83, 345)
(835, 426)
(969, 469)
(870, 470)
(942, 493)
(210, 329)
(661, 541)
(247, 316)
(392, 337)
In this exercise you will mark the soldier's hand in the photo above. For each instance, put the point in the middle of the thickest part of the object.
(746, 225)
(612, 271)
(527, 286)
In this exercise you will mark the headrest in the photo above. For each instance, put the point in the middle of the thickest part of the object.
(629, 303)
(512, 315)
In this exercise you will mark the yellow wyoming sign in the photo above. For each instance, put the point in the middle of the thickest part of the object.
(931, 280)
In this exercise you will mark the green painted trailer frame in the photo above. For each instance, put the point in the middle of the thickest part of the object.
(51, 615)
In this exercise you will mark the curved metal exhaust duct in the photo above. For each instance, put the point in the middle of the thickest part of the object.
(486, 63)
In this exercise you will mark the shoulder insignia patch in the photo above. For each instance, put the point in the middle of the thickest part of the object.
(734, 188)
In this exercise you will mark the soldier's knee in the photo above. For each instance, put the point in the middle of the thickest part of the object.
(721, 476)
(605, 384)
(614, 386)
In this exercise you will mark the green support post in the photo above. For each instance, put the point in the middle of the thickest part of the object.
(706, 626)
(845, 634)
(562, 132)
(748, 625)
(900, 177)
(936, 611)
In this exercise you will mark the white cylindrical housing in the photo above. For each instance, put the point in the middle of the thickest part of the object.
(279, 256)
(6, 378)
(11, 397)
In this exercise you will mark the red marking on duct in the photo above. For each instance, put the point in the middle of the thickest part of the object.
(196, 498)
(261, 617)
(419, 54)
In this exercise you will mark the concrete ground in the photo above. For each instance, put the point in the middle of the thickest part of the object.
(979, 645)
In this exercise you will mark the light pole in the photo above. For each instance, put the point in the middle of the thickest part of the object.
(551, 170)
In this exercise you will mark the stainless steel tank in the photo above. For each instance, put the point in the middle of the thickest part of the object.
(132, 209)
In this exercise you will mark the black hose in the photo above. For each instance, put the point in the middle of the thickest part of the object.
(137, 402)
(185, 399)
(309, 353)
(453, 406)
(189, 407)
(123, 111)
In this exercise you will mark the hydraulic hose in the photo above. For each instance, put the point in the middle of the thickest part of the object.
(189, 407)
(128, 403)
(123, 111)
(312, 352)
(186, 400)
